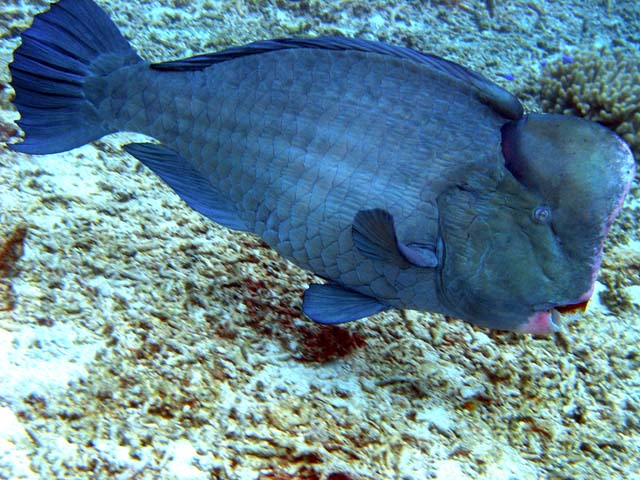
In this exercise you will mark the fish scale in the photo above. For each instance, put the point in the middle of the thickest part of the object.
(402, 179)
(241, 166)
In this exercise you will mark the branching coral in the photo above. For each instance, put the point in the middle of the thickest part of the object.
(603, 86)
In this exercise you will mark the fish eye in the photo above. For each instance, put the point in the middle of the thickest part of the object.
(541, 214)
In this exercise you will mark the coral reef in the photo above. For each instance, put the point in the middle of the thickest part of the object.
(601, 85)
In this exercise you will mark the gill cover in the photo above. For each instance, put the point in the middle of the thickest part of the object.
(500, 265)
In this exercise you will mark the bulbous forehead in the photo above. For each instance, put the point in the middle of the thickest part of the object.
(581, 169)
(570, 161)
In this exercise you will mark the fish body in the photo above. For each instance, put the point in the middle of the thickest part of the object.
(404, 180)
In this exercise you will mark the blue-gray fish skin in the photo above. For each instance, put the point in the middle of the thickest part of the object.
(404, 180)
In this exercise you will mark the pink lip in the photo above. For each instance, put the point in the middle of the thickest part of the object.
(540, 323)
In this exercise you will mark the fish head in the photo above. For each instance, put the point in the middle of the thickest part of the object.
(524, 241)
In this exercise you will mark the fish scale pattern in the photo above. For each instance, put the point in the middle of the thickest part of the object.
(301, 140)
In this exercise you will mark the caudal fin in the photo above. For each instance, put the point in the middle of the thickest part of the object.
(64, 47)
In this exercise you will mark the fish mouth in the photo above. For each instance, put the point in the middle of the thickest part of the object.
(572, 308)
(547, 321)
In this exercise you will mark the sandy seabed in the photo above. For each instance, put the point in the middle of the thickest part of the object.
(139, 340)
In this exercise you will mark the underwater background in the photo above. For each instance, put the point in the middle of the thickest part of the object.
(139, 340)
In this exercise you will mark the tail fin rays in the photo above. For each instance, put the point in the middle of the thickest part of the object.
(66, 45)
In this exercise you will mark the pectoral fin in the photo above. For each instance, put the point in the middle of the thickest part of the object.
(374, 236)
(333, 304)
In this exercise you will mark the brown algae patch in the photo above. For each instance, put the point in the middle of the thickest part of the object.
(11, 249)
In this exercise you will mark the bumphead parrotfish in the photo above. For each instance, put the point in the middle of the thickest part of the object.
(404, 180)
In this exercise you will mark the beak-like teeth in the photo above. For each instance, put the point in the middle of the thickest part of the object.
(576, 307)
(555, 320)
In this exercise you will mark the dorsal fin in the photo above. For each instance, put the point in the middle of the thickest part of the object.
(486, 91)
